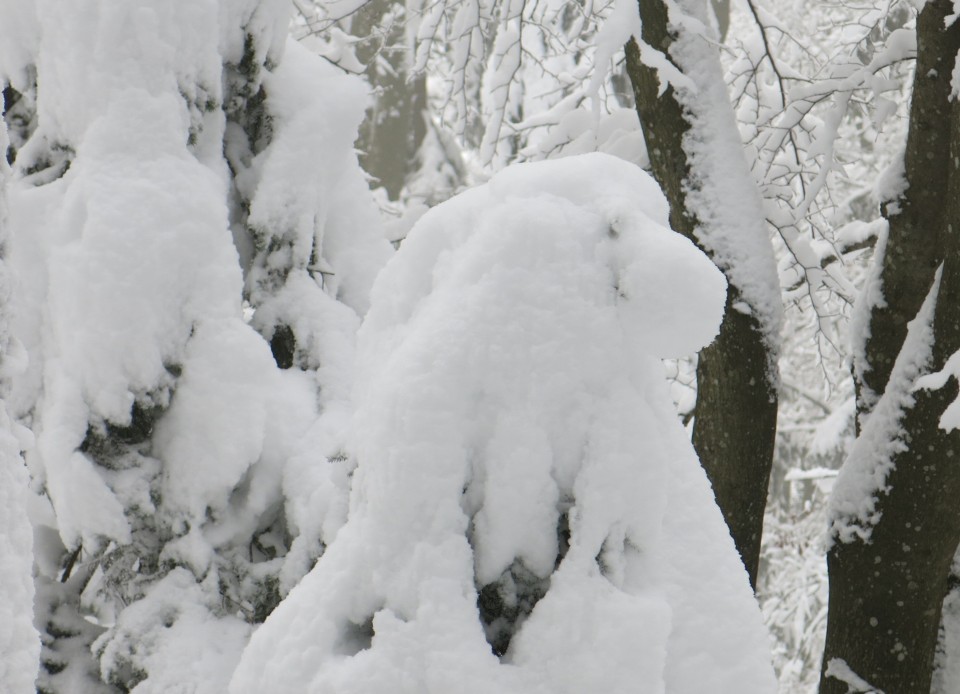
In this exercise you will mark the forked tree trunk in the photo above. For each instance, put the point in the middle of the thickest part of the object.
(736, 411)
(886, 595)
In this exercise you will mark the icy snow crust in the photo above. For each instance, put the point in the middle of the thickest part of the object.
(508, 376)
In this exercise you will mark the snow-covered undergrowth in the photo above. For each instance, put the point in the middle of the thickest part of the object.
(492, 483)
(523, 486)
(168, 161)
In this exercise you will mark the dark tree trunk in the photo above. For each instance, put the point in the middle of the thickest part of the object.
(915, 245)
(736, 411)
(886, 595)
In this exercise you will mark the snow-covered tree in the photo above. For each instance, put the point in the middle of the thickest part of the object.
(19, 641)
(170, 161)
(497, 492)
(527, 513)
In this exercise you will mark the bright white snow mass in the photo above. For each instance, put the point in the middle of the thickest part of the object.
(478, 458)
(152, 190)
(523, 485)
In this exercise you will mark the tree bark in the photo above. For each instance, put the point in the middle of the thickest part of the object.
(736, 411)
(916, 216)
(886, 595)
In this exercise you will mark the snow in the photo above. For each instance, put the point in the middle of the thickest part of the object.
(892, 183)
(19, 643)
(316, 109)
(720, 190)
(166, 442)
(170, 635)
(946, 668)
(508, 375)
(838, 669)
(852, 510)
(950, 419)
(225, 381)
(111, 300)
(621, 25)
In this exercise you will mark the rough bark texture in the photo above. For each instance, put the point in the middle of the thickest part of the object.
(736, 412)
(886, 596)
(395, 126)
(916, 218)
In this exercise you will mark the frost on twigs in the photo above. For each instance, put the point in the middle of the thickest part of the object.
(527, 514)
(805, 86)
(19, 644)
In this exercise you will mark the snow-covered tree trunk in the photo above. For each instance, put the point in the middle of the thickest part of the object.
(895, 524)
(696, 156)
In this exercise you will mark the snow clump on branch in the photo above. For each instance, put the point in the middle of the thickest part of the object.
(527, 513)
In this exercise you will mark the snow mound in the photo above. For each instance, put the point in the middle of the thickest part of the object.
(527, 514)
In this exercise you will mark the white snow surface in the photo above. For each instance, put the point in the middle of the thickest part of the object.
(19, 642)
(128, 289)
(128, 257)
(128, 272)
(509, 373)
(950, 419)
(322, 208)
(171, 635)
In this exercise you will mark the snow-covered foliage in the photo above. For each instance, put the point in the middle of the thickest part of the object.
(165, 167)
(523, 487)
(19, 641)
(792, 587)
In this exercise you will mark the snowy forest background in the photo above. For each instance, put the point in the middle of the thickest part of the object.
(333, 338)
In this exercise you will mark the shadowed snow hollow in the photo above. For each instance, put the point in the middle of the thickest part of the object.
(527, 514)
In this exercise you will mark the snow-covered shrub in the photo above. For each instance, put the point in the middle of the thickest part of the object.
(19, 643)
(527, 513)
(170, 160)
